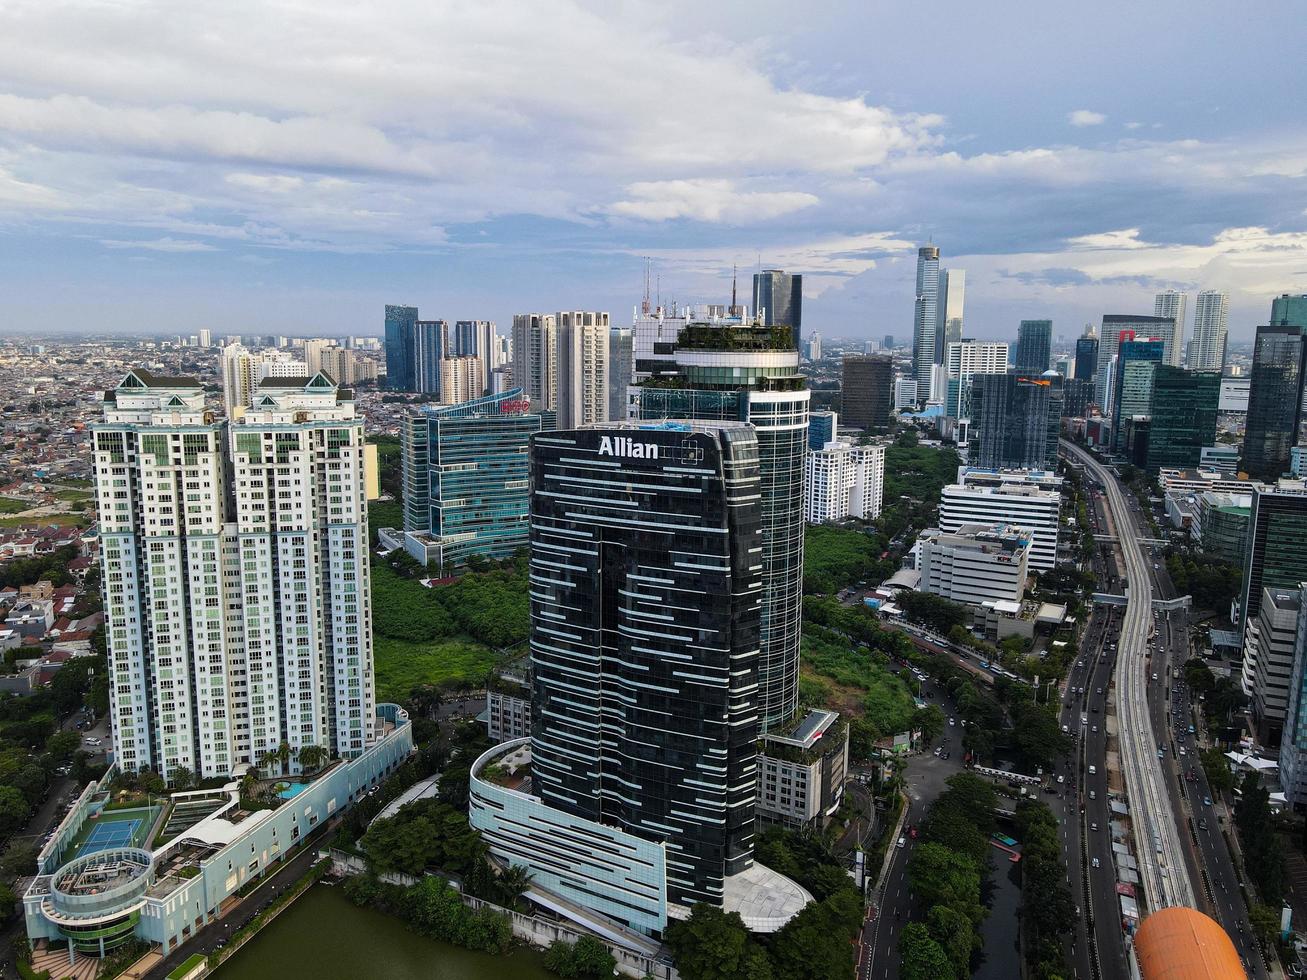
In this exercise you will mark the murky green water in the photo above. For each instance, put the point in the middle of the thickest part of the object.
(325, 936)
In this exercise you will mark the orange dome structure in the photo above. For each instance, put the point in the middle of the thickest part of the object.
(1183, 944)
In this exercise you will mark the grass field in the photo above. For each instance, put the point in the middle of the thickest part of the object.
(64, 520)
(73, 495)
(8, 505)
(402, 666)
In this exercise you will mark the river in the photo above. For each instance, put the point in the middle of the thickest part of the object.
(1002, 896)
(326, 936)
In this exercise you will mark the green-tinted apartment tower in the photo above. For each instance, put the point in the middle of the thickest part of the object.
(1183, 416)
(1290, 309)
(1136, 362)
(1277, 547)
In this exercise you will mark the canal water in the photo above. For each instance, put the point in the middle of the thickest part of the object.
(1002, 896)
(326, 936)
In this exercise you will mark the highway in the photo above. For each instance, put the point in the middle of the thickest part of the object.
(1159, 844)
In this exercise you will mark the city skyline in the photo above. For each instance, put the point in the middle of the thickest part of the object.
(262, 188)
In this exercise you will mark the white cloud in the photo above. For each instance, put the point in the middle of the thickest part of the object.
(159, 245)
(1085, 117)
(707, 200)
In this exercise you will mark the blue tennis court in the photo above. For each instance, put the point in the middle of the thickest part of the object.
(106, 836)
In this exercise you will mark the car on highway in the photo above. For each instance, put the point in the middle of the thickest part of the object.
(1093, 728)
(952, 721)
(1094, 862)
(1061, 779)
(903, 842)
(1093, 826)
(1093, 770)
(1207, 801)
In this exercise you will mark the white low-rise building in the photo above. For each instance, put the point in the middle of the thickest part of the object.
(976, 564)
(1027, 499)
(843, 481)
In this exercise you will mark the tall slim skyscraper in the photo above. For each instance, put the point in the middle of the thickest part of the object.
(925, 316)
(242, 370)
(582, 368)
(400, 370)
(1174, 306)
(621, 359)
(745, 373)
(1275, 389)
(646, 722)
(952, 300)
(778, 299)
(1207, 351)
(204, 336)
(460, 379)
(1034, 346)
(535, 358)
(430, 346)
(235, 562)
(867, 390)
(1086, 363)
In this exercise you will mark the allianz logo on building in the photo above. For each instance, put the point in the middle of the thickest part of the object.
(622, 446)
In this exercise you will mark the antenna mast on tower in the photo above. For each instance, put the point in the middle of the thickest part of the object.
(644, 306)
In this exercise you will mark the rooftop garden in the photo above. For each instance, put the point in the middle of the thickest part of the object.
(754, 337)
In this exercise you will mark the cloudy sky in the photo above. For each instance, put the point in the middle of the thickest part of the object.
(293, 166)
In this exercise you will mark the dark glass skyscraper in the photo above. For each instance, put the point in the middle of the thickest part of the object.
(1086, 358)
(400, 321)
(778, 299)
(1183, 417)
(1010, 421)
(1034, 346)
(1275, 387)
(430, 346)
(1287, 308)
(646, 569)
(1277, 547)
(749, 373)
(867, 390)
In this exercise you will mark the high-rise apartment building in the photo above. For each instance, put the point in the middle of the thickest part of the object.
(400, 371)
(460, 379)
(1293, 739)
(1182, 414)
(243, 369)
(1174, 306)
(1086, 363)
(430, 346)
(1010, 422)
(866, 390)
(204, 336)
(778, 300)
(1136, 363)
(925, 316)
(1275, 393)
(905, 393)
(843, 481)
(313, 350)
(965, 360)
(235, 562)
(477, 338)
(731, 371)
(1207, 349)
(1034, 346)
(535, 358)
(952, 301)
(466, 478)
(814, 346)
(582, 370)
(345, 366)
(621, 359)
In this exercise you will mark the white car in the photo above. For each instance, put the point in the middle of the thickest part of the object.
(1093, 770)
(952, 722)
(1095, 862)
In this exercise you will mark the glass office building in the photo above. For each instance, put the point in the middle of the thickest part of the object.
(1277, 547)
(1275, 388)
(400, 324)
(646, 573)
(466, 479)
(1034, 346)
(1011, 422)
(1183, 417)
(750, 373)
(1136, 363)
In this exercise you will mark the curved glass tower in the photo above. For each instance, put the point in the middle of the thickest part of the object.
(750, 373)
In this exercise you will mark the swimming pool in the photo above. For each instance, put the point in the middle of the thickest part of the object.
(291, 790)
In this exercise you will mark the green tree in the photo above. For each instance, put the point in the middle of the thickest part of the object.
(1265, 922)
(14, 810)
(921, 957)
(951, 930)
(710, 944)
(406, 846)
(930, 720)
(311, 757)
(8, 903)
(1199, 677)
(513, 883)
(585, 959)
